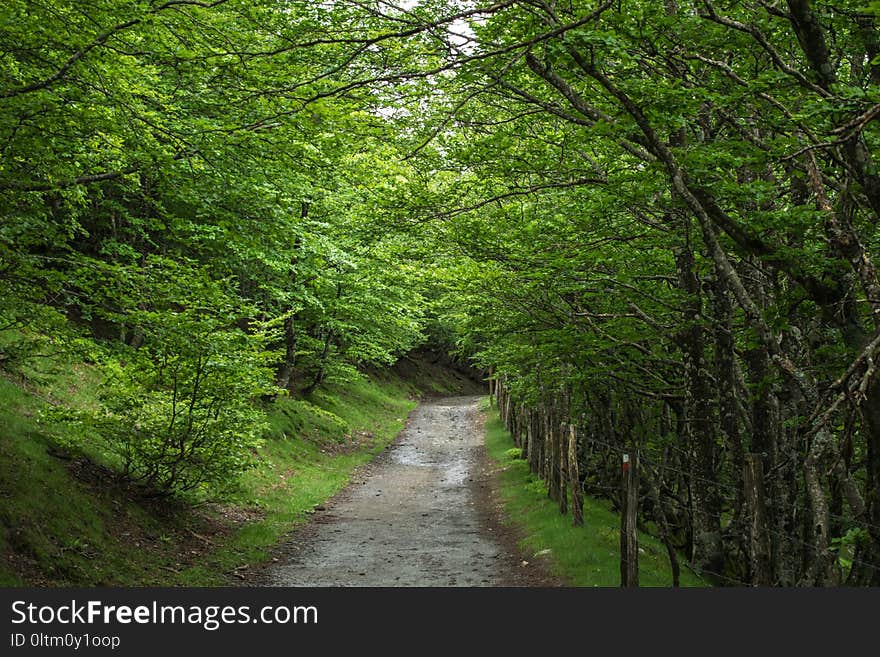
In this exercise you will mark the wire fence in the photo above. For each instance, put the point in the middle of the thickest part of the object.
(790, 538)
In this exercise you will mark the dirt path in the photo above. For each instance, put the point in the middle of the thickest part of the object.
(420, 516)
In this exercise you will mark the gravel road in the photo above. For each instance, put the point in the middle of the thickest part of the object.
(415, 517)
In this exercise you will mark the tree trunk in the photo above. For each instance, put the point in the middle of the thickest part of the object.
(819, 565)
(291, 337)
(870, 410)
(759, 543)
(708, 551)
(728, 403)
(663, 525)
(322, 364)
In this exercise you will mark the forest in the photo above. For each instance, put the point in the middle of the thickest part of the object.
(651, 225)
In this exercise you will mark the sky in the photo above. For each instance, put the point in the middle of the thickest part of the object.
(460, 31)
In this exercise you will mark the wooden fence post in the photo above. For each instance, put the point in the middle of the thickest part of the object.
(562, 467)
(551, 463)
(574, 480)
(534, 444)
(629, 538)
(546, 447)
(491, 384)
(516, 426)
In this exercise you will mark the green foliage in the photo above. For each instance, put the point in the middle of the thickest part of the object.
(513, 453)
(161, 214)
(661, 186)
(204, 197)
(177, 411)
(845, 546)
(181, 416)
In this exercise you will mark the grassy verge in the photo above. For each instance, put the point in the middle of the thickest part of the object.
(310, 454)
(66, 522)
(587, 556)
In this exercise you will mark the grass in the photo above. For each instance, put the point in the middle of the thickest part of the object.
(311, 451)
(582, 556)
(67, 522)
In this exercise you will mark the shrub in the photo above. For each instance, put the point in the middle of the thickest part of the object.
(178, 410)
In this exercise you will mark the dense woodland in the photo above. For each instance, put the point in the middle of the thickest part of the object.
(655, 223)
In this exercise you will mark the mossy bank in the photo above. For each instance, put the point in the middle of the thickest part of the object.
(66, 520)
